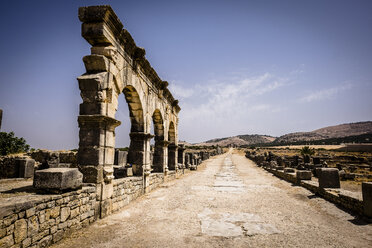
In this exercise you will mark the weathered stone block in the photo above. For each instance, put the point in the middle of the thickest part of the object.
(120, 158)
(33, 226)
(303, 175)
(92, 174)
(329, 178)
(25, 167)
(65, 213)
(318, 171)
(137, 169)
(96, 63)
(367, 198)
(58, 179)
(7, 241)
(20, 230)
(45, 242)
(289, 170)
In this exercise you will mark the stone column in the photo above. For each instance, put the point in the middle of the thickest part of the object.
(139, 152)
(97, 147)
(159, 155)
(181, 155)
(172, 156)
(165, 165)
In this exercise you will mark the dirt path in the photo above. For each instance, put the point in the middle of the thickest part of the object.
(230, 203)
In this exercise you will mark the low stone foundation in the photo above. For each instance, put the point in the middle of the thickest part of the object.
(171, 175)
(126, 190)
(340, 197)
(155, 180)
(343, 198)
(40, 220)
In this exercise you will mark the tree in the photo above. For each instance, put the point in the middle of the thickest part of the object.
(10, 144)
(306, 150)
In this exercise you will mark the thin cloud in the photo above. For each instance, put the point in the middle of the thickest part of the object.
(228, 99)
(325, 93)
(181, 92)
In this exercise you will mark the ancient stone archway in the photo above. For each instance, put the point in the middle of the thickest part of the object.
(160, 144)
(115, 66)
(172, 147)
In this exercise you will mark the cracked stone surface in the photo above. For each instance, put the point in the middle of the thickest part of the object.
(229, 202)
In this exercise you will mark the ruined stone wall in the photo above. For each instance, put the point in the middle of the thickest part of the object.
(126, 190)
(53, 159)
(41, 220)
(155, 180)
(343, 198)
(171, 175)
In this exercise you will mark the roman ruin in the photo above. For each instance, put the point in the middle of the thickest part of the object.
(116, 68)
(226, 195)
(97, 180)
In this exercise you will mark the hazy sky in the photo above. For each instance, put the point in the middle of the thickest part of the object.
(237, 67)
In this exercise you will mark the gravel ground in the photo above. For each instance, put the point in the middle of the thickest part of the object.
(228, 203)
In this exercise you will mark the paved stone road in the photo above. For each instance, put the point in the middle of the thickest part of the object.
(229, 203)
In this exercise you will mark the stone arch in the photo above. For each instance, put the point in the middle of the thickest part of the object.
(159, 147)
(172, 147)
(137, 154)
(171, 133)
(158, 124)
(116, 65)
(135, 109)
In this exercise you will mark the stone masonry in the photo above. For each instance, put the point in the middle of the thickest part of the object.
(115, 67)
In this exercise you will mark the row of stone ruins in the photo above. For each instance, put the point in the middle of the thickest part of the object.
(301, 171)
(25, 165)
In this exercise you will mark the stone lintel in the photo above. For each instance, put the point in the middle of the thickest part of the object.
(98, 121)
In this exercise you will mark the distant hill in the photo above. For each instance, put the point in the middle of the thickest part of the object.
(339, 131)
(240, 140)
(359, 132)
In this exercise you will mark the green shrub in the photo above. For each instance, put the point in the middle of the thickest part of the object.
(306, 150)
(10, 144)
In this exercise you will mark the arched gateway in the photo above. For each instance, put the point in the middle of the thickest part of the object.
(116, 68)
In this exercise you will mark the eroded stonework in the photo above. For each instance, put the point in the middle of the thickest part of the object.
(117, 66)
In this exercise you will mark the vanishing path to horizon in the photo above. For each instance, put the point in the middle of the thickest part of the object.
(229, 202)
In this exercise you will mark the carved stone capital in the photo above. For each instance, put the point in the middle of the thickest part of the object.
(98, 121)
(172, 146)
(163, 143)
